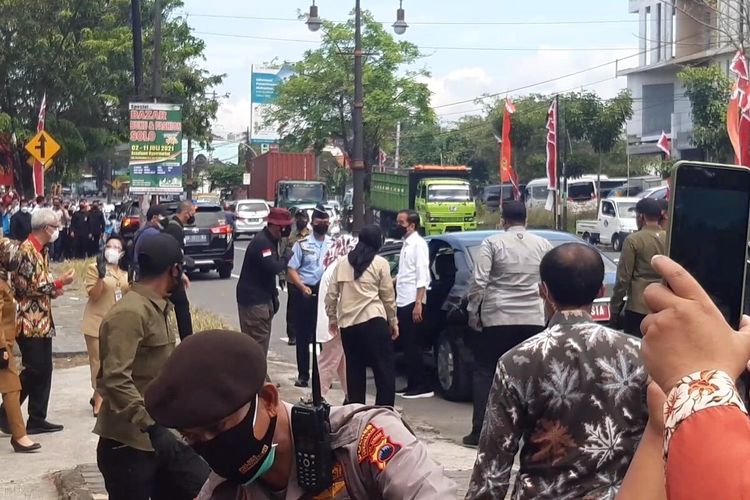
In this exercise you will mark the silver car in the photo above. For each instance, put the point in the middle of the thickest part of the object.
(251, 217)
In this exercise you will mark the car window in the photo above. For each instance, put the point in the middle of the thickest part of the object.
(627, 209)
(539, 192)
(252, 207)
(392, 259)
(209, 216)
(581, 192)
(608, 209)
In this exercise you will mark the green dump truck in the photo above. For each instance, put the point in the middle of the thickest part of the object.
(441, 195)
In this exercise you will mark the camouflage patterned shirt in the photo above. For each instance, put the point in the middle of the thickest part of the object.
(575, 394)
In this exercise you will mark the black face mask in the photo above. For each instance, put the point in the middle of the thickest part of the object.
(399, 231)
(320, 229)
(236, 454)
(191, 220)
(286, 231)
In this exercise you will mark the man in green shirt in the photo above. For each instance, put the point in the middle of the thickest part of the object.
(634, 271)
(138, 458)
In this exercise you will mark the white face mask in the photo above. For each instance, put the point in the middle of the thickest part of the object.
(24, 209)
(112, 255)
(53, 237)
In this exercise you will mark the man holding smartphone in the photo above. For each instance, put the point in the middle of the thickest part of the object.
(634, 271)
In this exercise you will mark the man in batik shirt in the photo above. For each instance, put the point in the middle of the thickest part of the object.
(575, 394)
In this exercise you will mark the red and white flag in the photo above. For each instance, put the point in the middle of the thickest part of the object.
(664, 144)
(507, 172)
(738, 111)
(552, 146)
(38, 167)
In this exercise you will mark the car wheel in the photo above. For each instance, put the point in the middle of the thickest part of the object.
(454, 375)
(225, 272)
(616, 242)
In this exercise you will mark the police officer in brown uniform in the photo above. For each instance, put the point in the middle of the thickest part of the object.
(213, 391)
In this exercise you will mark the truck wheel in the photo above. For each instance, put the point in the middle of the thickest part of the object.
(617, 242)
(453, 370)
(225, 272)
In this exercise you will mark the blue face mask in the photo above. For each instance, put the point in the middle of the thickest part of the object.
(236, 455)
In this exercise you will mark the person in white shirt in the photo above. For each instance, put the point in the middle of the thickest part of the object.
(411, 294)
(504, 302)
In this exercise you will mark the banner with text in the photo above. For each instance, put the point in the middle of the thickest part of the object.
(262, 93)
(155, 148)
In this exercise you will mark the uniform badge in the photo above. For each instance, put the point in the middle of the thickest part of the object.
(375, 447)
(266, 252)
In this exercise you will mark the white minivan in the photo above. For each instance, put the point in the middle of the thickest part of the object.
(582, 193)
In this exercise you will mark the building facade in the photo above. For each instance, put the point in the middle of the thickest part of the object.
(673, 34)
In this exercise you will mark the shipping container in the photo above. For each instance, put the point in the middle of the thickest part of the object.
(267, 169)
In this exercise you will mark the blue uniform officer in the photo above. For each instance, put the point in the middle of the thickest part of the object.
(304, 272)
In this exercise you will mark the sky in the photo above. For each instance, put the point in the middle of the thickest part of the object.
(454, 30)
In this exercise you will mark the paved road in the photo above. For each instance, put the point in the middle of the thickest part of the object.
(452, 420)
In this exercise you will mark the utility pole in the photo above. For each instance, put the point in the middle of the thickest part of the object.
(137, 48)
(397, 159)
(358, 154)
(156, 76)
(557, 162)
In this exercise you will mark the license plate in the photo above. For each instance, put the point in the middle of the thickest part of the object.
(600, 312)
(195, 239)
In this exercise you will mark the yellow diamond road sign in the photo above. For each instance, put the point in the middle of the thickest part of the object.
(42, 147)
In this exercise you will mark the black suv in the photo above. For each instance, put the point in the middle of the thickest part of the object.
(209, 242)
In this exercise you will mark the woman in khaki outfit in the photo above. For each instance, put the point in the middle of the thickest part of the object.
(10, 385)
(106, 282)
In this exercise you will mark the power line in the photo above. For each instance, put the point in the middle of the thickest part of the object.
(435, 23)
(430, 47)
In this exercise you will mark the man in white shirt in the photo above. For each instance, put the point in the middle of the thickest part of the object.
(411, 293)
(504, 301)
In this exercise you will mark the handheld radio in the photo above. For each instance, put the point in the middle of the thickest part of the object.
(311, 429)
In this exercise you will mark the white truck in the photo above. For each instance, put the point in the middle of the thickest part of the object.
(616, 221)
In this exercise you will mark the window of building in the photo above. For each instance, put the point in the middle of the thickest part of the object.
(658, 106)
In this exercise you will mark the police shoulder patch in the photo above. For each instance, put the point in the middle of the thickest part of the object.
(376, 447)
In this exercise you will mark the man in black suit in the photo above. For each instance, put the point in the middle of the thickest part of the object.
(79, 230)
(97, 223)
(20, 223)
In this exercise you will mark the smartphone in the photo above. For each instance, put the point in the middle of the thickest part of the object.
(710, 220)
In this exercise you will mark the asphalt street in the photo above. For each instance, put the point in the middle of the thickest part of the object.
(451, 420)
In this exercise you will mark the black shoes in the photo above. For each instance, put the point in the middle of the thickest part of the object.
(19, 448)
(291, 342)
(417, 393)
(300, 382)
(41, 427)
(471, 440)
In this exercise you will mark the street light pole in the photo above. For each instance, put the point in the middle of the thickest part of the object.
(137, 48)
(358, 153)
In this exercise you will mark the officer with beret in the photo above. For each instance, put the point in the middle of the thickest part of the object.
(138, 458)
(257, 296)
(213, 391)
(305, 272)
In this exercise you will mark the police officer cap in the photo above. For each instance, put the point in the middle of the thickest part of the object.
(209, 376)
(158, 253)
(319, 212)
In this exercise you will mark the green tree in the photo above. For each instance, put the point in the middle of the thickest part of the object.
(224, 176)
(709, 90)
(314, 106)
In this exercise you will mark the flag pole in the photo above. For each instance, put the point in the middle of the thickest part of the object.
(557, 161)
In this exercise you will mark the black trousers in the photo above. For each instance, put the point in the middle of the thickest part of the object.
(94, 245)
(131, 474)
(290, 308)
(411, 340)
(631, 323)
(488, 347)
(36, 377)
(305, 322)
(369, 344)
(58, 247)
(81, 246)
(182, 312)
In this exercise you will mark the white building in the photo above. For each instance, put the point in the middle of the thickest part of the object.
(673, 34)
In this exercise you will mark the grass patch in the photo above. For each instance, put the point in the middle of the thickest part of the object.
(78, 265)
(202, 320)
(537, 218)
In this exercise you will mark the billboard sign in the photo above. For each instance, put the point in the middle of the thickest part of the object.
(264, 81)
(155, 148)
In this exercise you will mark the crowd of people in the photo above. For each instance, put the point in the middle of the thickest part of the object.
(587, 410)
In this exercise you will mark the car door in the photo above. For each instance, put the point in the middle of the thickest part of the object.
(608, 222)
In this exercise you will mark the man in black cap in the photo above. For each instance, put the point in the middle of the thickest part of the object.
(504, 302)
(634, 270)
(185, 215)
(138, 458)
(240, 426)
(305, 272)
(257, 295)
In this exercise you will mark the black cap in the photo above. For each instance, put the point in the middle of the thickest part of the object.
(158, 253)
(514, 210)
(649, 208)
(159, 210)
(320, 212)
(209, 376)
